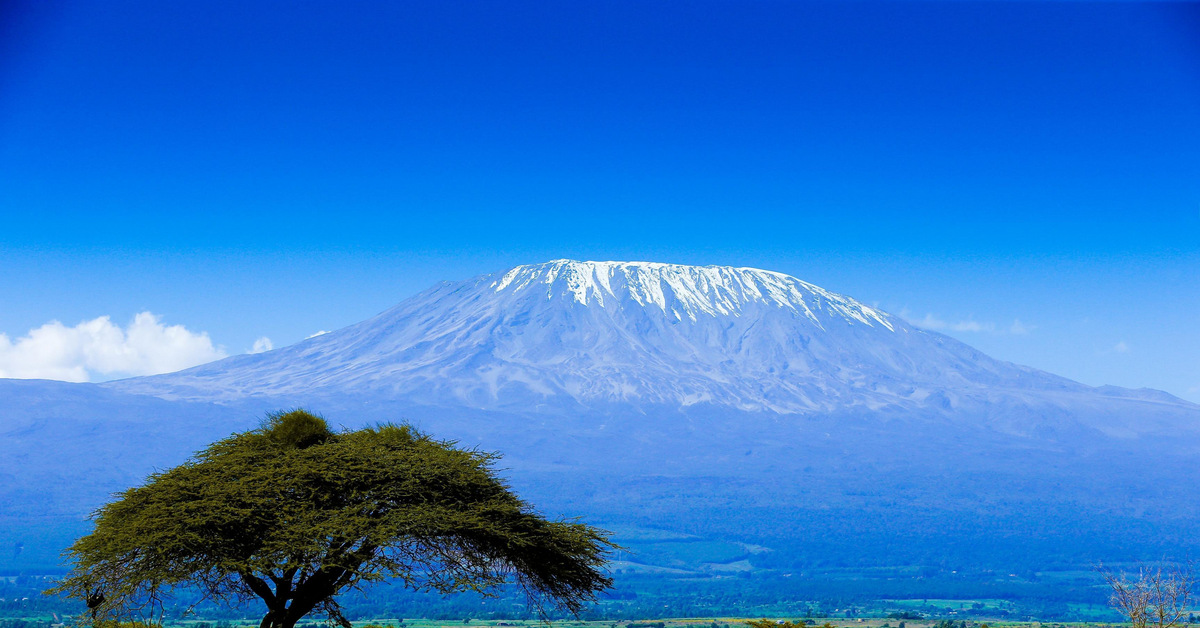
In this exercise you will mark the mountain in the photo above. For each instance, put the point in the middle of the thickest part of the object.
(580, 333)
(721, 419)
(577, 334)
(568, 338)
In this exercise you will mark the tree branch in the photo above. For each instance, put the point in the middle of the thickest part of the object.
(260, 588)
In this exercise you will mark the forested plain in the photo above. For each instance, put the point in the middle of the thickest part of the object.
(842, 593)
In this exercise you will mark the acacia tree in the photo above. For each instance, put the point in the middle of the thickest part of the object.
(294, 513)
(1157, 597)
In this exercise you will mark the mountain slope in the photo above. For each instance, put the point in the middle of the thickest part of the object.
(619, 332)
(566, 337)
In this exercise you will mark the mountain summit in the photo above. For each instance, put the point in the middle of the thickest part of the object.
(683, 291)
(567, 335)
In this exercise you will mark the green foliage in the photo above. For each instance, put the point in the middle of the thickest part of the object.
(770, 623)
(294, 513)
(298, 429)
(23, 623)
(112, 623)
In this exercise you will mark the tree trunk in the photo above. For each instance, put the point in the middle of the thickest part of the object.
(273, 619)
(304, 596)
(287, 616)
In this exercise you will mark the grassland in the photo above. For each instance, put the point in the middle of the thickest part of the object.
(680, 622)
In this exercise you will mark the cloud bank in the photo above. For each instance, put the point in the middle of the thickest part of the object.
(97, 350)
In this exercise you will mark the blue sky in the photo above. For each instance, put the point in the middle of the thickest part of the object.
(1022, 176)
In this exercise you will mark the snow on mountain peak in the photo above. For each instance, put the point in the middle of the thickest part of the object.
(568, 334)
(685, 291)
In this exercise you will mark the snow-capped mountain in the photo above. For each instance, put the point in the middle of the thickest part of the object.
(567, 333)
(733, 403)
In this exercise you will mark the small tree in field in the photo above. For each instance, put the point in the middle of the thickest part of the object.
(1157, 597)
(294, 514)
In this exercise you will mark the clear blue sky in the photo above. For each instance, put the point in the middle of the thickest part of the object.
(274, 169)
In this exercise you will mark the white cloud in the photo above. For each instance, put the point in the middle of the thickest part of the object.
(262, 344)
(97, 350)
(320, 333)
(974, 326)
(932, 322)
(929, 322)
(1120, 347)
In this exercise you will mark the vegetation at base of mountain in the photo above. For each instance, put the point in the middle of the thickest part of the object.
(1072, 596)
(295, 514)
(780, 623)
(678, 622)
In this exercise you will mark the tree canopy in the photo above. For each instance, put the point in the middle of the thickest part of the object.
(294, 513)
